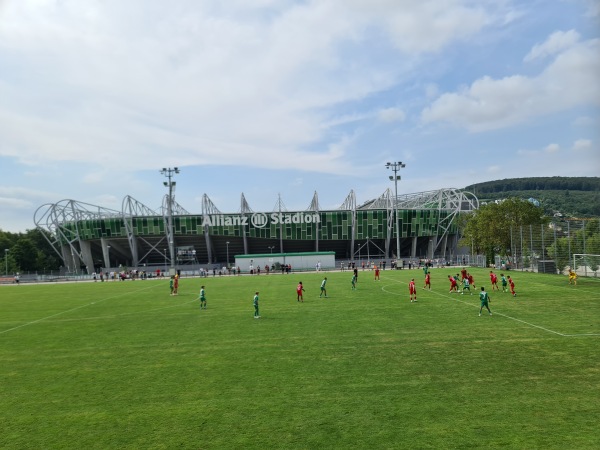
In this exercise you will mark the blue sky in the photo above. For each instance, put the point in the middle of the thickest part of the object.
(270, 98)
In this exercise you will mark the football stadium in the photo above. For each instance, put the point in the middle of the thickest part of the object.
(91, 238)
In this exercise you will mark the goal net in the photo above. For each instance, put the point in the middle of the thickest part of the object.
(586, 264)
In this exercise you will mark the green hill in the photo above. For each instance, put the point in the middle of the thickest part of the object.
(570, 196)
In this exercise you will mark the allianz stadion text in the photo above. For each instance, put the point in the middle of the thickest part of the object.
(259, 220)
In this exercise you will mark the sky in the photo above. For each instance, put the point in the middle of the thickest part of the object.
(281, 99)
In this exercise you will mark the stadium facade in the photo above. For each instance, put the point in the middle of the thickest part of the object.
(88, 237)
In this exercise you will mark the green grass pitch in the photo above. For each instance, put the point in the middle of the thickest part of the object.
(126, 365)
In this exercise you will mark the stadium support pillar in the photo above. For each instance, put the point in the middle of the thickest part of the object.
(453, 244)
(245, 235)
(133, 248)
(413, 247)
(118, 254)
(86, 254)
(280, 237)
(444, 245)
(65, 252)
(105, 252)
(431, 247)
(134, 251)
(208, 243)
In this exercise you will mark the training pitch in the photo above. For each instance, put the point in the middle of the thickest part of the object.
(126, 365)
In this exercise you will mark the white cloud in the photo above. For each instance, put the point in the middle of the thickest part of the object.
(582, 145)
(95, 177)
(18, 192)
(391, 115)
(135, 81)
(427, 26)
(15, 203)
(585, 121)
(569, 81)
(552, 148)
(556, 43)
(95, 96)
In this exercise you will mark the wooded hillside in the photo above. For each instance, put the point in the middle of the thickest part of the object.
(570, 196)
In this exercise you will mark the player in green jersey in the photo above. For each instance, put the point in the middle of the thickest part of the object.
(255, 302)
(323, 289)
(466, 286)
(485, 300)
(202, 298)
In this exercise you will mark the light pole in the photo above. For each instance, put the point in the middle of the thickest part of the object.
(396, 166)
(368, 251)
(6, 261)
(165, 259)
(108, 254)
(227, 253)
(170, 173)
(271, 248)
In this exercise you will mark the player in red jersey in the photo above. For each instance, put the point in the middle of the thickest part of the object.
(494, 280)
(471, 280)
(511, 283)
(463, 274)
(299, 291)
(413, 290)
(453, 286)
(427, 281)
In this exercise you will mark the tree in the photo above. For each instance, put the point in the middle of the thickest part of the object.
(25, 254)
(590, 235)
(489, 229)
(28, 252)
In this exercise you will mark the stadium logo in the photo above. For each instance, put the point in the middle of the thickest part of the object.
(259, 220)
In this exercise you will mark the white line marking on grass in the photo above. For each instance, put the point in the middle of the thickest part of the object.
(449, 297)
(389, 292)
(72, 309)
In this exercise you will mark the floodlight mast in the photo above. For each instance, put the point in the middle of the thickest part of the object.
(170, 173)
(396, 166)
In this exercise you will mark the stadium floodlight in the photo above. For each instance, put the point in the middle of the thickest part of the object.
(396, 166)
(169, 173)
